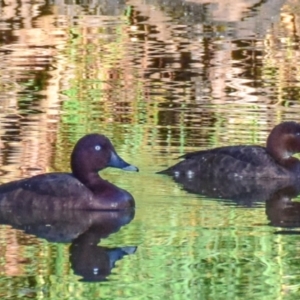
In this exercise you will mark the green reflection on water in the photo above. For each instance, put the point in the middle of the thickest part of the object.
(188, 247)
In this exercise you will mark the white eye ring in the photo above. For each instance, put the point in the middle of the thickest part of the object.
(97, 147)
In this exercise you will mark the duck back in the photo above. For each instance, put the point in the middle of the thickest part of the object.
(273, 161)
(231, 161)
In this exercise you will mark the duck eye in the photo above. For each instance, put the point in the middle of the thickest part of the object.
(97, 147)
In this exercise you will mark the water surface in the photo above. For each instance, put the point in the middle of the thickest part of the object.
(159, 78)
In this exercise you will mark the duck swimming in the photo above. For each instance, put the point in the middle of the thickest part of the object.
(273, 161)
(81, 189)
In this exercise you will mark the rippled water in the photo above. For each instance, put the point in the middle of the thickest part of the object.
(160, 78)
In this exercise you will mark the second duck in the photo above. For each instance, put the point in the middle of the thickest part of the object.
(273, 161)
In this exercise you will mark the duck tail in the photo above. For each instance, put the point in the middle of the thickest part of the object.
(167, 171)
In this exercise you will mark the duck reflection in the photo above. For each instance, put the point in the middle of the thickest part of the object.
(281, 210)
(246, 192)
(278, 195)
(92, 262)
(84, 229)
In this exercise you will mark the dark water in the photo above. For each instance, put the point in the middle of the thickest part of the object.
(159, 78)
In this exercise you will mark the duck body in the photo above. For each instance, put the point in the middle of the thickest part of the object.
(55, 191)
(273, 161)
(82, 189)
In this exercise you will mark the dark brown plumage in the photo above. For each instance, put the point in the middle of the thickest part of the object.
(273, 161)
(81, 189)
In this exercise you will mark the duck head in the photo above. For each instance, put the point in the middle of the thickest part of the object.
(283, 142)
(95, 152)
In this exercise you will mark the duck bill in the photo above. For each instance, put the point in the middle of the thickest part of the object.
(117, 162)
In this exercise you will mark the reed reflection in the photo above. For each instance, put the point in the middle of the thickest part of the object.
(83, 229)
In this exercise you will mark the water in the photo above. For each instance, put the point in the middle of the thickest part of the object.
(160, 78)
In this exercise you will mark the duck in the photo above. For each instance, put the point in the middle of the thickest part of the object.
(246, 161)
(82, 189)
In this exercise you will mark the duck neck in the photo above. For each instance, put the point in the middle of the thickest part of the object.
(98, 186)
(283, 155)
(88, 178)
(85, 175)
(292, 164)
